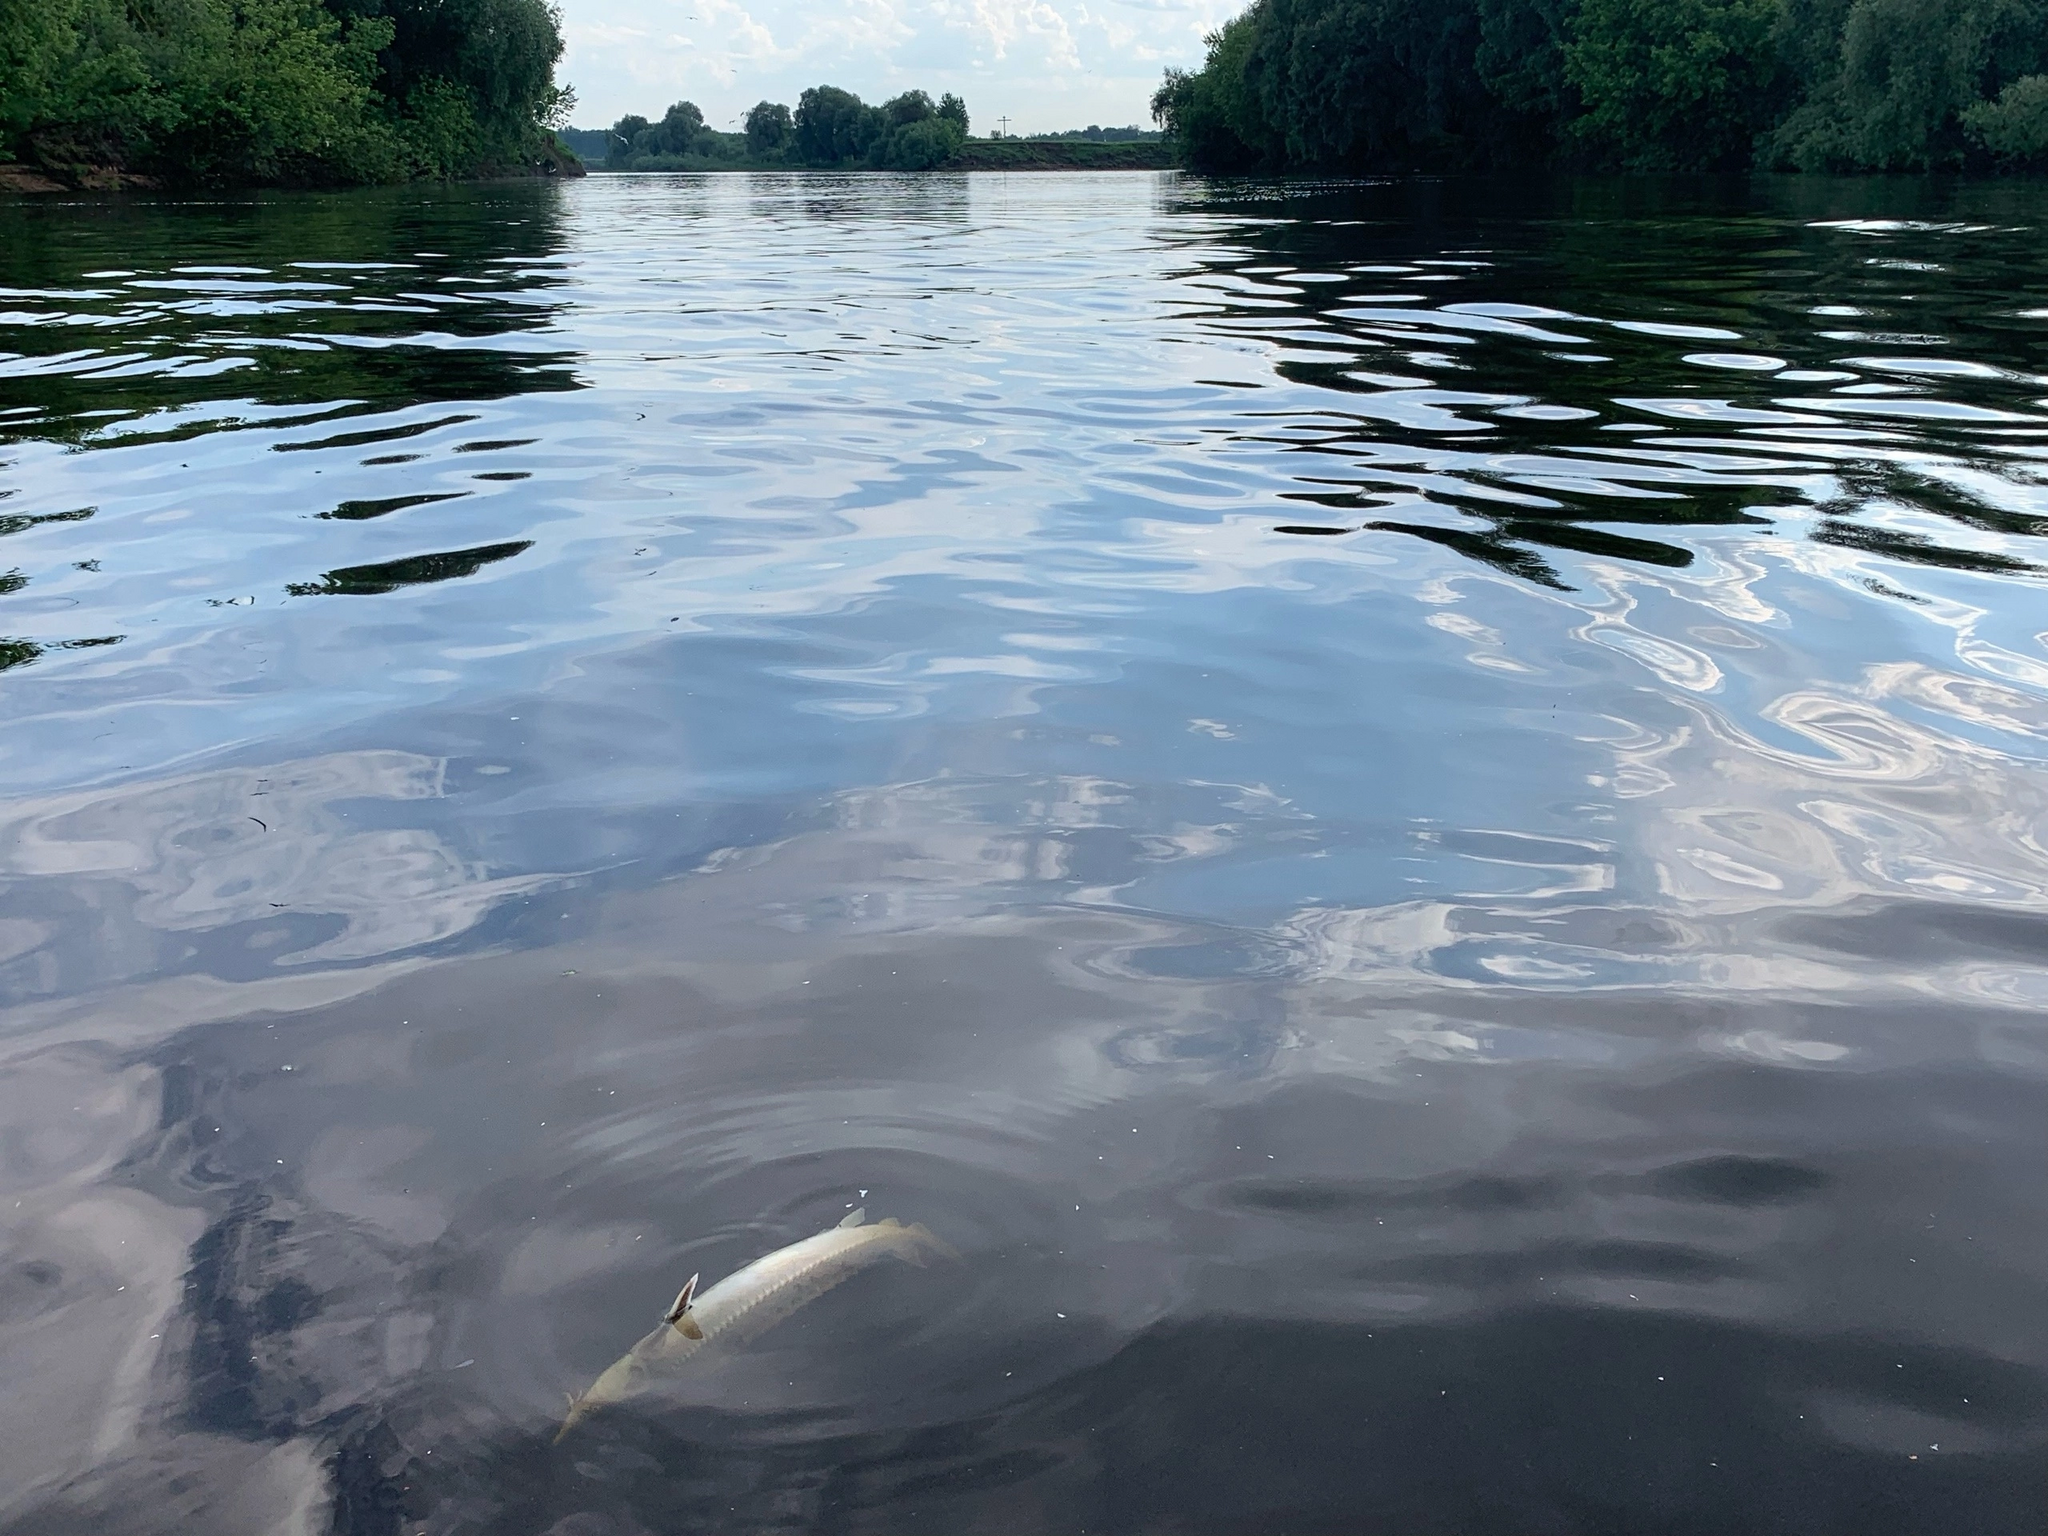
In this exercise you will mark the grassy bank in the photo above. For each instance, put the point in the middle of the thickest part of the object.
(1060, 155)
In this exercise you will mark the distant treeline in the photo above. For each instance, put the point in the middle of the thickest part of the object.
(830, 128)
(280, 91)
(1095, 135)
(1683, 85)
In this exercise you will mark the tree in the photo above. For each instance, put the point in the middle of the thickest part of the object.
(2015, 126)
(1354, 84)
(1684, 85)
(1905, 80)
(293, 91)
(204, 90)
(675, 134)
(920, 146)
(833, 127)
(768, 128)
(910, 107)
(624, 132)
(1211, 113)
(915, 135)
(1521, 63)
(498, 55)
(1674, 84)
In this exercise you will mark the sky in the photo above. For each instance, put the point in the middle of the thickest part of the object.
(1046, 64)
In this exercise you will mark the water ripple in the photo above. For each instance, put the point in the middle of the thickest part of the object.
(1417, 815)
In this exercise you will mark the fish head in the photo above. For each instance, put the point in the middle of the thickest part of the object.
(579, 1409)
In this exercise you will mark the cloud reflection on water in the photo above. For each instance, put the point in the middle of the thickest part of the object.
(275, 866)
(1486, 1017)
(1134, 1120)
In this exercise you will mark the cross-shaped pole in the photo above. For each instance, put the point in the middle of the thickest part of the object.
(1005, 124)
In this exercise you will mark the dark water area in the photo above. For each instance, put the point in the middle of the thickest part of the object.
(1416, 815)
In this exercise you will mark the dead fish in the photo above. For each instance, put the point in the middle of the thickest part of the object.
(751, 1300)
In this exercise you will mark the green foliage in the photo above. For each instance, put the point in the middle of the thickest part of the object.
(1214, 114)
(2015, 126)
(919, 146)
(76, 75)
(1393, 85)
(1096, 134)
(834, 127)
(439, 135)
(769, 128)
(1906, 79)
(910, 132)
(278, 91)
(1521, 60)
(914, 135)
(586, 144)
(1380, 84)
(675, 134)
(830, 128)
(623, 135)
(910, 107)
(1388, 82)
(1673, 84)
(682, 142)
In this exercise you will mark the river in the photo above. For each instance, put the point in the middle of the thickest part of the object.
(1415, 814)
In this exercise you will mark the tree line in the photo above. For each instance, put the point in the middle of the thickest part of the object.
(830, 128)
(1653, 85)
(280, 91)
(1094, 133)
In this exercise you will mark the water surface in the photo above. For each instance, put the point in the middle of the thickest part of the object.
(1415, 814)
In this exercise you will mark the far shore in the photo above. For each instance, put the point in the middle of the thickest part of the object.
(974, 155)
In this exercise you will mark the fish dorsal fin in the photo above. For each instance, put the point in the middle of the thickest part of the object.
(682, 1302)
(854, 1218)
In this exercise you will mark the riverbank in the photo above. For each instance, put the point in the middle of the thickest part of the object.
(32, 179)
(1062, 155)
(39, 180)
(974, 155)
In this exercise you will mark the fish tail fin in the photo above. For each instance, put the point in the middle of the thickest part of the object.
(576, 1411)
(854, 1218)
(923, 1242)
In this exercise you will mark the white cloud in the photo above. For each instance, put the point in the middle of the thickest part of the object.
(1047, 64)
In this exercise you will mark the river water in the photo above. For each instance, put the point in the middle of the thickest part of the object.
(1415, 815)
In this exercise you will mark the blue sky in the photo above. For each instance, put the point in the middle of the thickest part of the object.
(1048, 64)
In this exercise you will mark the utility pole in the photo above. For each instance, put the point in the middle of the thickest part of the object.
(1004, 124)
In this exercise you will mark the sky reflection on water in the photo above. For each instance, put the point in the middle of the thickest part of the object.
(1412, 813)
